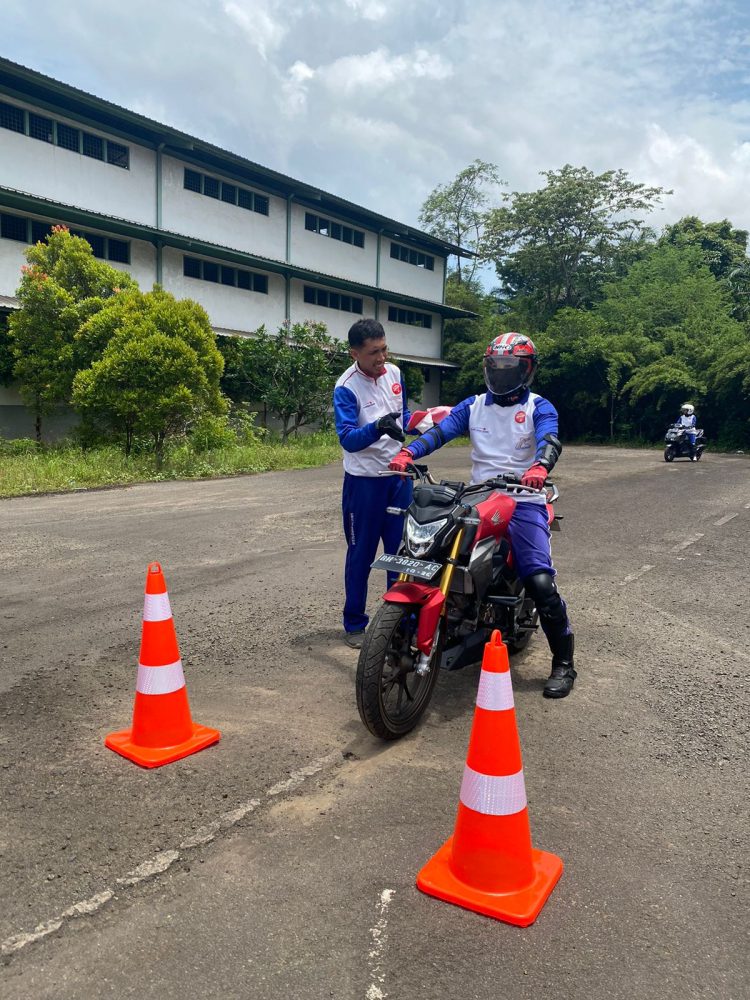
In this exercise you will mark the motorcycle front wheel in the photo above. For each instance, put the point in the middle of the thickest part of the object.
(391, 695)
(669, 453)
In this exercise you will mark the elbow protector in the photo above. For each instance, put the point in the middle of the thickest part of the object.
(549, 453)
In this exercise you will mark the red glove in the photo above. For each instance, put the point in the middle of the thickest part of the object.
(402, 461)
(535, 477)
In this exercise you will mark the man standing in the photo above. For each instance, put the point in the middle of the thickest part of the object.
(369, 404)
(514, 432)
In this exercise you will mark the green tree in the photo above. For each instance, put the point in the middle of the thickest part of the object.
(555, 247)
(61, 287)
(158, 373)
(292, 372)
(723, 248)
(7, 358)
(457, 213)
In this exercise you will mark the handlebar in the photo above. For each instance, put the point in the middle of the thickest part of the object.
(509, 483)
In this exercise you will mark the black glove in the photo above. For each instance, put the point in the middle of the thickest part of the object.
(389, 425)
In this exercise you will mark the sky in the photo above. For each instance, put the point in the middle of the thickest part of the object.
(379, 101)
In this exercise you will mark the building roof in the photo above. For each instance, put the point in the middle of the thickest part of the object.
(44, 91)
(74, 215)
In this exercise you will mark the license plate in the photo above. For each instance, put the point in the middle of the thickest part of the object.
(403, 564)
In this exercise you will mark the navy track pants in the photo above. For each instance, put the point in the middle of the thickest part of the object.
(366, 523)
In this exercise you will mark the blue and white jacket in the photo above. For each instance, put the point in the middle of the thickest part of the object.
(504, 439)
(687, 421)
(358, 403)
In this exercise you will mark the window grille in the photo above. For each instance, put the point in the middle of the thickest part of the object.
(41, 128)
(12, 117)
(93, 146)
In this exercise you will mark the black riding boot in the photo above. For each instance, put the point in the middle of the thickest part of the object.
(560, 682)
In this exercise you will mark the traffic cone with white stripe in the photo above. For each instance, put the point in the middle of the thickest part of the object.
(489, 865)
(162, 730)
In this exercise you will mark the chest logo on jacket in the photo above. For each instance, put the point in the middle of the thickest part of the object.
(520, 417)
(396, 388)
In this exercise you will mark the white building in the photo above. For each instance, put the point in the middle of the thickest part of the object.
(251, 245)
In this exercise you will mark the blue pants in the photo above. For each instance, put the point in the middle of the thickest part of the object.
(364, 500)
(528, 533)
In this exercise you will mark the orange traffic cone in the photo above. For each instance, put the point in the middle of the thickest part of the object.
(162, 729)
(489, 865)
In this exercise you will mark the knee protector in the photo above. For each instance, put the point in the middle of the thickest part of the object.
(549, 604)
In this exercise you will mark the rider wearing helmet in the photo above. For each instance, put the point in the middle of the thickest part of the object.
(687, 421)
(514, 432)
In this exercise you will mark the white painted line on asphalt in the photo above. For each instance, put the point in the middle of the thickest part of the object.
(688, 541)
(727, 517)
(379, 935)
(634, 576)
(163, 860)
(296, 778)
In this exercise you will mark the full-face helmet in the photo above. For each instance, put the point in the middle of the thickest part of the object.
(687, 409)
(510, 364)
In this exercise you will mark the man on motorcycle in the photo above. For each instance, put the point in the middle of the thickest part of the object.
(686, 419)
(514, 432)
(369, 404)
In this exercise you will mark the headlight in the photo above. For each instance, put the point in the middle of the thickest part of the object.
(419, 537)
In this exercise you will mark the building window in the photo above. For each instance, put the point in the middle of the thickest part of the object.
(193, 180)
(41, 128)
(118, 155)
(336, 230)
(237, 277)
(26, 230)
(332, 300)
(232, 194)
(409, 317)
(210, 186)
(118, 251)
(14, 227)
(410, 256)
(65, 136)
(40, 231)
(68, 138)
(12, 117)
(104, 247)
(93, 146)
(191, 267)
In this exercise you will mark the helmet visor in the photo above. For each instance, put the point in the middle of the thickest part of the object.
(506, 373)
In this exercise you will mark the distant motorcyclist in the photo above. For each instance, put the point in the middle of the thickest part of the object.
(514, 432)
(687, 421)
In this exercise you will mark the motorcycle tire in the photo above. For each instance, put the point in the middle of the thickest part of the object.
(391, 696)
(669, 454)
(698, 455)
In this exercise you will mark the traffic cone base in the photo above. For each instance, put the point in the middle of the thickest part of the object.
(156, 756)
(520, 908)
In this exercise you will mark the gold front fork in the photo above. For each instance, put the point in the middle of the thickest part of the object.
(445, 579)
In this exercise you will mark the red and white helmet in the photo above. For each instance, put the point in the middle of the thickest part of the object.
(510, 364)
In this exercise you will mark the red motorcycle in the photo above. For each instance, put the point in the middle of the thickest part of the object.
(456, 584)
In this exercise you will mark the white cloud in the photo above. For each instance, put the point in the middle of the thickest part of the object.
(263, 31)
(379, 70)
(370, 10)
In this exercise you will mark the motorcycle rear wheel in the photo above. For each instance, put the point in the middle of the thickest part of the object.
(391, 696)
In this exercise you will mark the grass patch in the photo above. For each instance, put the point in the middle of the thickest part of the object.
(25, 469)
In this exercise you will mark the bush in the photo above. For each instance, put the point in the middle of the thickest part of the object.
(18, 446)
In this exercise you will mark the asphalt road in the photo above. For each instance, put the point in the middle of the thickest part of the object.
(281, 862)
